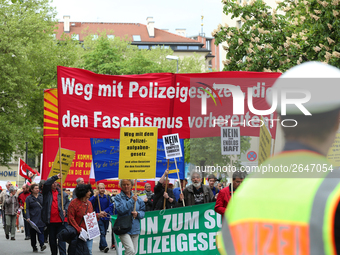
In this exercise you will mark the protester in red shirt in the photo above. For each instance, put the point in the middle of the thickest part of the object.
(79, 207)
(224, 195)
(52, 213)
(22, 199)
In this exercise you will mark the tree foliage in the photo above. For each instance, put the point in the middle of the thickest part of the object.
(29, 58)
(275, 40)
(206, 151)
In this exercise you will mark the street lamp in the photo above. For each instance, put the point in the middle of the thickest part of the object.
(170, 57)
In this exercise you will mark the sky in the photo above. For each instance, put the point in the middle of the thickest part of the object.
(166, 14)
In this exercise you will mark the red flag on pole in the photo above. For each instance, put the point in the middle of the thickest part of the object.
(25, 170)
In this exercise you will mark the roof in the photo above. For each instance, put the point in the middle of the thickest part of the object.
(122, 30)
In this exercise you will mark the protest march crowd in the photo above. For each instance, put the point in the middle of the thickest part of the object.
(280, 213)
(49, 216)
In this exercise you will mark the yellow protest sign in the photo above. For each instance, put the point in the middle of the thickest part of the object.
(334, 152)
(66, 162)
(138, 153)
(265, 143)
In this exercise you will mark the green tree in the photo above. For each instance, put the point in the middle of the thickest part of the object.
(275, 40)
(204, 152)
(29, 58)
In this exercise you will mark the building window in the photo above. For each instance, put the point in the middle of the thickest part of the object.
(75, 37)
(193, 48)
(208, 44)
(181, 47)
(165, 47)
(94, 37)
(239, 24)
(110, 36)
(136, 38)
(143, 47)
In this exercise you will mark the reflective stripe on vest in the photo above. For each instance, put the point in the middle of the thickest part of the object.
(275, 236)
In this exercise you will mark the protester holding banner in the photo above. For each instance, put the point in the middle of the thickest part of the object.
(103, 223)
(125, 203)
(196, 193)
(149, 197)
(160, 194)
(33, 213)
(79, 207)
(225, 194)
(41, 185)
(11, 209)
(52, 213)
(22, 199)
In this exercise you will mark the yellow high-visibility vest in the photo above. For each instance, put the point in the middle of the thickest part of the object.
(284, 213)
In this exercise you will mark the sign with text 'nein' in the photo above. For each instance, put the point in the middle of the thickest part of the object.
(230, 141)
(172, 146)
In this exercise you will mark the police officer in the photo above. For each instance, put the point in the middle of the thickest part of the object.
(293, 208)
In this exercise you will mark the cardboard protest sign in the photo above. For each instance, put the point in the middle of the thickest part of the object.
(172, 146)
(138, 153)
(92, 225)
(230, 141)
(67, 157)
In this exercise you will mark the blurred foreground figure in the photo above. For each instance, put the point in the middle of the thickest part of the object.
(293, 207)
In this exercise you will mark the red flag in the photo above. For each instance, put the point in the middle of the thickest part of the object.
(25, 170)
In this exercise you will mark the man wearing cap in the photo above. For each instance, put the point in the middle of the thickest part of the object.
(292, 206)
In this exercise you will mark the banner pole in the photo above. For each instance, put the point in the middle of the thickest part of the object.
(232, 186)
(61, 176)
(19, 172)
(98, 197)
(180, 185)
(134, 208)
(274, 142)
(166, 185)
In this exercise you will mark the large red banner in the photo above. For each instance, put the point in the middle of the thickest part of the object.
(96, 106)
(81, 164)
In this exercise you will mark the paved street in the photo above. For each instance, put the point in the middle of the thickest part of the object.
(22, 247)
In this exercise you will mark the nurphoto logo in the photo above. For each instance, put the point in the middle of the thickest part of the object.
(238, 98)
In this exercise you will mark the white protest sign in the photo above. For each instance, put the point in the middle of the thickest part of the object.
(230, 141)
(92, 225)
(172, 146)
